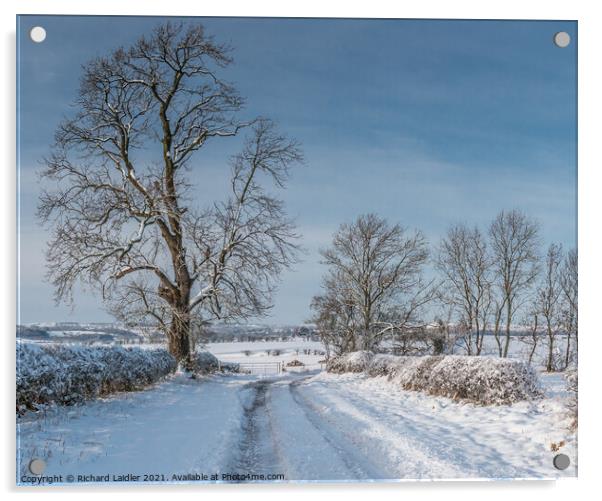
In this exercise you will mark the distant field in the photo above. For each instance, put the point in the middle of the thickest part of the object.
(270, 351)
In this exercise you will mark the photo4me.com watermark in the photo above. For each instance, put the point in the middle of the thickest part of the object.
(28, 479)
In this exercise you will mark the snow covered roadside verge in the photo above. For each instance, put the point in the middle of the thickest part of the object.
(173, 431)
(412, 435)
(69, 374)
(481, 380)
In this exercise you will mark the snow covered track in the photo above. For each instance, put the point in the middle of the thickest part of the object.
(256, 451)
(312, 426)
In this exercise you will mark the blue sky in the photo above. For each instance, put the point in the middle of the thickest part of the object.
(424, 122)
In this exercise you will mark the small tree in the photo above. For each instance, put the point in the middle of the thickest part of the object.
(569, 299)
(532, 323)
(548, 300)
(465, 265)
(120, 200)
(373, 286)
(514, 241)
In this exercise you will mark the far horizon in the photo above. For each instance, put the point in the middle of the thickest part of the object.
(426, 123)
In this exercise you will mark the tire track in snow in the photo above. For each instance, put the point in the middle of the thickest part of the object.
(281, 435)
(256, 452)
(334, 456)
(418, 439)
(389, 450)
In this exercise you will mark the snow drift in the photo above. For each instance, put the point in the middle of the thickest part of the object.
(68, 374)
(482, 380)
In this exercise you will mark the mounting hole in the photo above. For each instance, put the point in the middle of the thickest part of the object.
(561, 461)
(37, 466)
(562, 39)
(37, 34)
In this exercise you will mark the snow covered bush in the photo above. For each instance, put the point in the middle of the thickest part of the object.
(482, 380)
(67, 374)
(382, 365)
(572, 384)
(414, 373)
(356, 361)
(204, 362)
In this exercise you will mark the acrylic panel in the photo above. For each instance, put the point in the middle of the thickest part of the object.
(295, 250)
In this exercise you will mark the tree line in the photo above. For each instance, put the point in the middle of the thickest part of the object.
(375, 294)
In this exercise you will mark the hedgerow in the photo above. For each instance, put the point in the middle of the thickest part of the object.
(69, 374)
(482, 380)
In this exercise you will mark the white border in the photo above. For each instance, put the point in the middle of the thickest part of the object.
(590, 227)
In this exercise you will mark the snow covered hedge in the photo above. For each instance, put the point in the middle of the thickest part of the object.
(204, 362)
(356, 361)
(572, 384)
(67, 374)
(483, 380)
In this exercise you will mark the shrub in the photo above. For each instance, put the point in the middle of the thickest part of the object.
(381, 365)
(414, 373)
(230, 367)
(486, 380)
(204, 362)
(572, 384)
(483, 380)
(68, 374)
(356, 361)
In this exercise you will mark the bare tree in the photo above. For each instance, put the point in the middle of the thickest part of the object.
(465, 264)
(374, 285)
(120, 200)
(450, 331)
(548, 299)
(334, 320)
(514, 241)
(531, 321)
(569, 299)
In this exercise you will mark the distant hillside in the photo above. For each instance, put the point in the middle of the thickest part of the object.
(73, 332)
(78, 333)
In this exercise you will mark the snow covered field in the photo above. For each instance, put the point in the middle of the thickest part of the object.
(297, 426)
(269, 352)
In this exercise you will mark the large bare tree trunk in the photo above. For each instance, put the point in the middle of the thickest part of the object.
(179, 338)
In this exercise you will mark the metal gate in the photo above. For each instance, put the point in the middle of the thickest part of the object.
(261, 368)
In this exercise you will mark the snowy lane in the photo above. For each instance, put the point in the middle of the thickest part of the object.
(312, 426)
(310, 450)
(256, 453)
